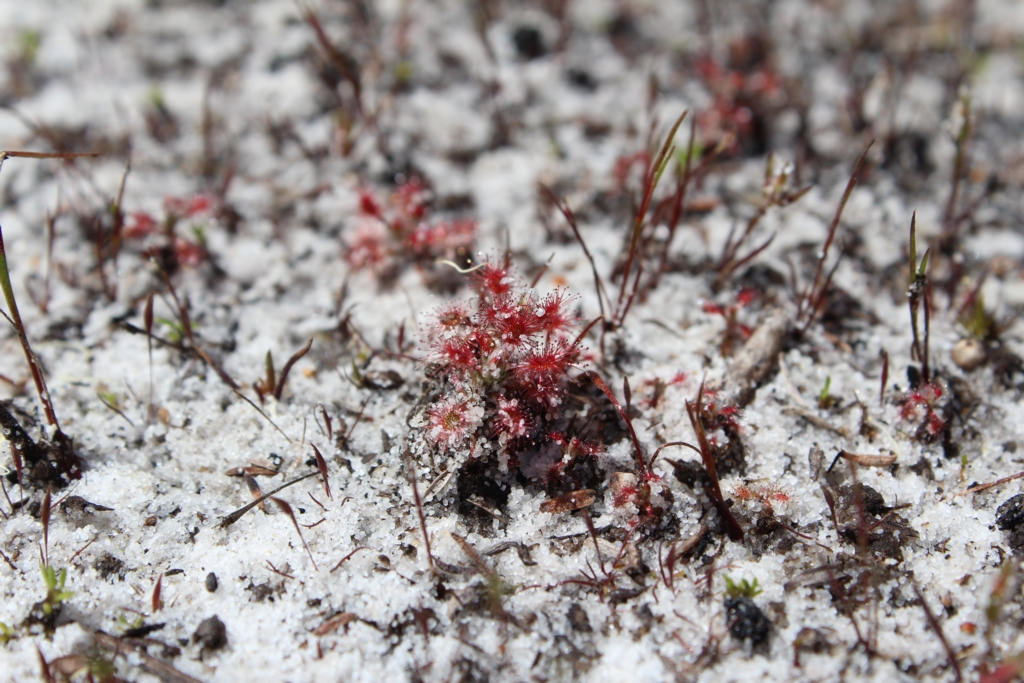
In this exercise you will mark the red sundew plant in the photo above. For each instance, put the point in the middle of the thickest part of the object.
(918, 405)
(573, 449)
(657, 387)
(718, 417)
(740, 92)
(501, 366)
(161, 240)
(768, 495)
(735, 331)
(390, 234)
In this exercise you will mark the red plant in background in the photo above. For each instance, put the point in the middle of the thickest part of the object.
(739, 92)
(573, 450)
(717, 417)
(161, 239)
(735, 331)
(391, 233)
(188, 208)
(919, 404)
(501, 365)
(625, 164)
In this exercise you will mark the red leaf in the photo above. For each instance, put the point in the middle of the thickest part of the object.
(322, 466)
(287, 509)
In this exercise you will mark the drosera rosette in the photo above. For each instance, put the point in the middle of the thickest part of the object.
(391, 234)
(920, 405)
(169, 241)
(498, 368)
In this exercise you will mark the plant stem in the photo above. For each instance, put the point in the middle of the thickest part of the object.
(19, 327)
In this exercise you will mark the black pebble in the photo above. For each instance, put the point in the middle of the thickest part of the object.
(581, 79)
(529, 42)
(747, 619)
(211, 582)
(211, 634)
(1010, 514)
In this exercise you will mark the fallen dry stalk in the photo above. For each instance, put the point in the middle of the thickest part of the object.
(864, 459)
(758, 357)
(990, 484)
(150, 664)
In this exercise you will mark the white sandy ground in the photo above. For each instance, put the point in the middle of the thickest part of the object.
(281, 288)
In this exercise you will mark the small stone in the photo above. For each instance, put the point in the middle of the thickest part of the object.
(968, 354)
(529, 42)
(1010, 514)
(211, 582)
(578, 619)
(211, 634)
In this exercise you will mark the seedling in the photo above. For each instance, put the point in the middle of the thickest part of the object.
(55, 592)
(743, 589)
(651, 180)
(825, 399)
(271, 383)
(605, 581)
(645, 490)
(811, 299)
(776, 192)
(58, 453)
(694, 410)
(410, 468)
(919, 291)
(951, 222)
(287, 509)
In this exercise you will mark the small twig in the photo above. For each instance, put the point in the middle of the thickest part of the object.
(115, 409)
(863, 459)
(991, 484)
(287, 509)
(410, 468)
(150, 664)
(347, 557)
(8, 561)
(570, 218)
(935, 626)
(237, 514)
(266, 417)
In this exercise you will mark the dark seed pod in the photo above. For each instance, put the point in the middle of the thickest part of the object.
(211, 582)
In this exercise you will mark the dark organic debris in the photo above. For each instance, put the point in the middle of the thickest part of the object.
(1010, 518)
(108, 565)
(211, 634)
(1010, 514)
(746, 620)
